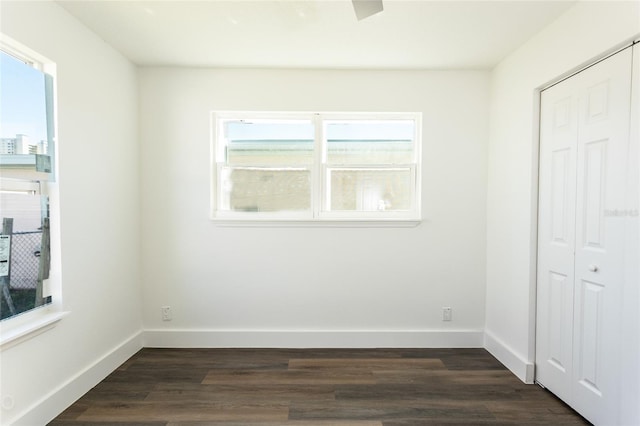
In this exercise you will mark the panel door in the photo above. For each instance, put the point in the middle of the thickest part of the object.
(584, 148)
(603, 149)
(556, 238)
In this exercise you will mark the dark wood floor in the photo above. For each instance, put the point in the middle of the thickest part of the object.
(330, 387)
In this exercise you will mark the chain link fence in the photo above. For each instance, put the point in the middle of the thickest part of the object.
(25, 260)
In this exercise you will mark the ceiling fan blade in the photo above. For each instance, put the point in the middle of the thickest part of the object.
(366, 8)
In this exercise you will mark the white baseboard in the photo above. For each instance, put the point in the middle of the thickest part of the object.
(518, 365)
(312, 339)
(58, 400)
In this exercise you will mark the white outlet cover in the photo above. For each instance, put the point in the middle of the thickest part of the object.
(166, 313)
(446, 314)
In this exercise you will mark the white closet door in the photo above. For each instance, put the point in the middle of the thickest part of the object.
(583, 173)
(603, 149)
(556, 238)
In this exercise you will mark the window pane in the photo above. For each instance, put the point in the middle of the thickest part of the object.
(370, 142)
(24, 244)
(25, 208)
(370, 189)
(266, 142)
(258, 189)
(26, 144)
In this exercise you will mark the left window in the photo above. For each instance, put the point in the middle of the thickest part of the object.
(27, 172)
(266, 165)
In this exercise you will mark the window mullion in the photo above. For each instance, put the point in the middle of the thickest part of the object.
(317, 175)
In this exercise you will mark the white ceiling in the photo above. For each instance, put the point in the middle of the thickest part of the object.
(408, 34)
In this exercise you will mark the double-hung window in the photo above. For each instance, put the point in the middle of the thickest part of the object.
(27, 177)
(316, 166)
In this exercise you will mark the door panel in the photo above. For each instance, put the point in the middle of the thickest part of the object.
(603, 148)
(593, 190)
(560, 190)
(556, 239)
(588, 370)
(560, 322)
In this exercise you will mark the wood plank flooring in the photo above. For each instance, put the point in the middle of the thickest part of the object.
(315, 387)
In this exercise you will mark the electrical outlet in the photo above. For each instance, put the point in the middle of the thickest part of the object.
(446, 314)
(166, 313)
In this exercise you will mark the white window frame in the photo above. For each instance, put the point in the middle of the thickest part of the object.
(19, 328)
(317, 215)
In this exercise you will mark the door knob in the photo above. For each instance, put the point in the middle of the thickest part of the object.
(593, 268)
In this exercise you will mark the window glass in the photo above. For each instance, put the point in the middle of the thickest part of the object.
(370, 189)
(265, 165)
(370, 141)
(263, 142)
(265, 189)
(26, 165)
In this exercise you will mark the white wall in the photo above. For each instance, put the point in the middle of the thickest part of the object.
(251, 286)
(583, 33)
(271, 286)
(99, 218)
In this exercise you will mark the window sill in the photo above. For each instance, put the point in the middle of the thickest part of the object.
(324, 223)
(13, 334)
